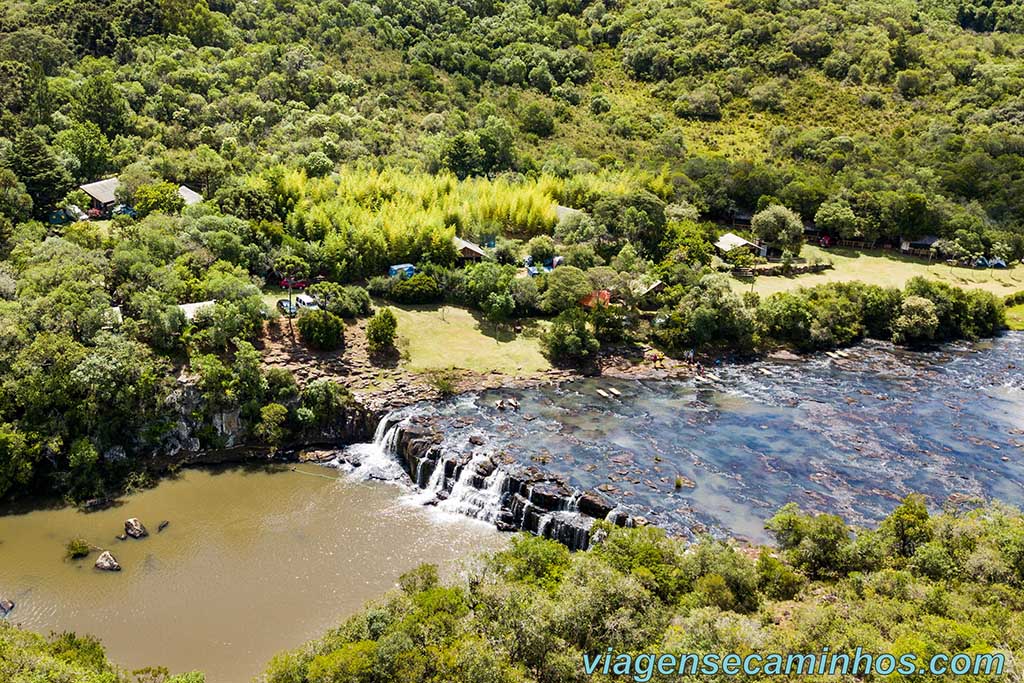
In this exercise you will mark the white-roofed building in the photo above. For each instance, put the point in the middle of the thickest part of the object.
(730, 241)
(190, 310)
(189, 195)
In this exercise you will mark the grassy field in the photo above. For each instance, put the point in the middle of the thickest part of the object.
(442, 337)
(887, 269)
(1015, 317)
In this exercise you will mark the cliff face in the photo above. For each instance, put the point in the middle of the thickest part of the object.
(197, 435)
(494, 488)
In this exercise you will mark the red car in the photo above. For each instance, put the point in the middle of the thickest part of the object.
(293, 284)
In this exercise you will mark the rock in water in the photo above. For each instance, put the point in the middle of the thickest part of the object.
(5, 607)
(107, 562)
(133, 527)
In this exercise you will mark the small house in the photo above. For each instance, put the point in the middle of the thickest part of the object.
(468, 252)
(731, 241)
(189, 195)
(402, 270)
(598, 297)
(921, 246)
(102, 193)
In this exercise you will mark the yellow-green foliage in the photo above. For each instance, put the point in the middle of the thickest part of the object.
(369, 219)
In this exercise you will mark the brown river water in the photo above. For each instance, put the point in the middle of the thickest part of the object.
(254, 561)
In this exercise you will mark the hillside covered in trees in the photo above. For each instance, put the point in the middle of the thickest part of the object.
(880, 119)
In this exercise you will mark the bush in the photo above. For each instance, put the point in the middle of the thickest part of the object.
(419, 289)
(444, 381)
(917, 322)
(77, 548)
(322, 330)
(380, 331)
(570, 338)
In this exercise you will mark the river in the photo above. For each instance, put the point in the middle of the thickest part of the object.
(255, 560)
(850, 434)
(258, 560)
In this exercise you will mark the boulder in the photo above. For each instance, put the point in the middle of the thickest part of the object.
(6, 606)
(107, 562)
(594, 504)
(133, 527)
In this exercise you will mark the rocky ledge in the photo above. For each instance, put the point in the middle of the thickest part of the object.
(491, 486)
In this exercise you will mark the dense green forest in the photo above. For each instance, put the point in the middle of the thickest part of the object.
(917, 584)
(331, 140)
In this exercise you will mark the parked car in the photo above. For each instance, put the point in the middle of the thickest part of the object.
(305, 301)
(287, 308)
(297, 283)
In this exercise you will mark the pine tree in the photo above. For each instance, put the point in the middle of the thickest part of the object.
(36, 166)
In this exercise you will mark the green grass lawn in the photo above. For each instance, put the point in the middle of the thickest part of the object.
(1015, 317)
(887, 269)
(443, 337)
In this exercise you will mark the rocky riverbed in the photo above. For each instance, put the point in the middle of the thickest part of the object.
(719, 451)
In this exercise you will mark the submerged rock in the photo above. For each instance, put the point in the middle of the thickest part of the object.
(134, 528)
(107, 562)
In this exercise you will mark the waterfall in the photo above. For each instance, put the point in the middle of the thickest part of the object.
(466, 497)
(461, 477)
(377, 459)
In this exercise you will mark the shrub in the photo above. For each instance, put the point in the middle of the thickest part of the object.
(77, 548)
(419, 289)
(380, 331)
(271, 428)
(444, 381)
(322, 330)
(917, 322)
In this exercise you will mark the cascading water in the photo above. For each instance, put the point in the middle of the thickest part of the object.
(462, 478)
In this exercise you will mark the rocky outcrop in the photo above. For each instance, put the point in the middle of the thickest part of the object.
(489, 486)
(196, 436)
(134, 528)
(107, 562)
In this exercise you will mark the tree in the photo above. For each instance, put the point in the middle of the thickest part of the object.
(89, 147)
(570, 338)
(17, 458)
(158, 197)
(566, 285)
(541, 248)
(271, 428)
(37, 168)
(907, 526)
(318, 164)
(380, 331)
(99, 101)
(463, 155)
(291, 268)
(836, 217)
(779, 227)
(322, 330)
(15, 201)
(537, 120)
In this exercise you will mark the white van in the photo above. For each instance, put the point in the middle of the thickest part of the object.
(305, 301)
